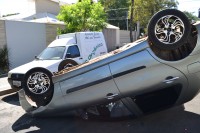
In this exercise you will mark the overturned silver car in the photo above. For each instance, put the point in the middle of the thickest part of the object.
(153, 73)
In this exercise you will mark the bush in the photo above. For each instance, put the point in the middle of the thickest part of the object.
(4, 62)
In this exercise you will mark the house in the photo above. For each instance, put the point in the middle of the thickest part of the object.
(43, 11)
(31, 31)
(49, 6)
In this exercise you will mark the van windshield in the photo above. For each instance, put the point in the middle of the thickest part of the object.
(52, 53)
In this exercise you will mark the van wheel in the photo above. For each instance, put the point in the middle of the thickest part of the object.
(38, 86)
(66, 64)
(169, 29)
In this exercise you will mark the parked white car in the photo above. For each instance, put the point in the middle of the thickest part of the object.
(66, 51)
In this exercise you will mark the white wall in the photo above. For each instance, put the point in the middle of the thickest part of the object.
(112, 38)
(125, 36)
(47, 6)
(2, 34)
(24, 41)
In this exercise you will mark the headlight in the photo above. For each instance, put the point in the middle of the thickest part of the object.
(17, 76)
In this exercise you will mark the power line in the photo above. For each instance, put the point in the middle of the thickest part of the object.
(117, 9)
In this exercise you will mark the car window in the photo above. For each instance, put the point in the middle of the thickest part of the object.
(73, 51)
(52, 53)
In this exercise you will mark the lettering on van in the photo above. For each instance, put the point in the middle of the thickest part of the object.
(90, 36)
(94, 51)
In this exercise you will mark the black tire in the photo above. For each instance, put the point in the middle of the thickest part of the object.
(38, 86)
(66, 63)
(163, 34)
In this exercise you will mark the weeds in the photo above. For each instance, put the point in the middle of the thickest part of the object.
(4, 62)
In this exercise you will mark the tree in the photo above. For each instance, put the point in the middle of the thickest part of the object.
(144, 10)
(117, 11)
(82, 16)
(131, 20)
(107, 3)
(191, 16)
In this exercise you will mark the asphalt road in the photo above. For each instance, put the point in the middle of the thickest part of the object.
(181, 119)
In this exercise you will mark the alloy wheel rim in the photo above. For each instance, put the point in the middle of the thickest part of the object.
(169, 29)
(38, 83)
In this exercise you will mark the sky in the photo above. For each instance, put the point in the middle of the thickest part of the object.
(189, 5)
(23, 6)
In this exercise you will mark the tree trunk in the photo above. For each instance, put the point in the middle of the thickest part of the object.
(131, 21)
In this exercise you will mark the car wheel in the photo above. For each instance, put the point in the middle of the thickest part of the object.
(66, 64)
(169, 29)
(38, 86)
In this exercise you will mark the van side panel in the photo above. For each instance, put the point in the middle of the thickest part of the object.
(91, 44)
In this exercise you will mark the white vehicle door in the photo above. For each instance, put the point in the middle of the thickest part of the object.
(73, 53)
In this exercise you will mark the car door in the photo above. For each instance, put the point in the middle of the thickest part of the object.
(92, 87)
(140, 76)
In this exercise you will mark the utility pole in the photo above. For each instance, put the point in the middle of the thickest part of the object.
(127, 20)
(199, 13)
(131, 21)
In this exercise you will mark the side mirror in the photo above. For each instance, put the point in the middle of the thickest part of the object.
(36, 57)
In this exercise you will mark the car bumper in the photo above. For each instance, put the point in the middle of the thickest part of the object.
(15, 80)
(10, 81)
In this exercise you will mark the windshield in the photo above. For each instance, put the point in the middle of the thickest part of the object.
(52, 53)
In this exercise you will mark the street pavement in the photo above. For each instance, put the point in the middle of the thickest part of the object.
(180, 119)
(5, 87)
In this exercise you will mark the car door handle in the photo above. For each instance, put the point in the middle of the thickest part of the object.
(170, 80)
(111, 96)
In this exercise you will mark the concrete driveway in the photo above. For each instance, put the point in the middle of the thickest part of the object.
(5, 87)
(181, 119)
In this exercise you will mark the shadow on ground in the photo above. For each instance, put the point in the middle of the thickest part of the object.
(174, 120)
(12, 99)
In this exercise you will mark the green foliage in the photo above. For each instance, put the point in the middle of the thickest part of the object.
(144, 10)
(4, 63)
(117, 11)
(191, 16)
(82, 16)
(107, 3)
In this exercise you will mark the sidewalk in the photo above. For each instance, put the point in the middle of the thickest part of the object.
(5, 87)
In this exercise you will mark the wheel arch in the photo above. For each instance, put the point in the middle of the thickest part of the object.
(64, 62)
(39, 68)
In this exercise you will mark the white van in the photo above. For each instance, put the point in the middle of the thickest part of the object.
(66, 51)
